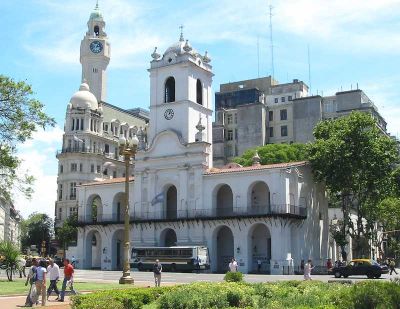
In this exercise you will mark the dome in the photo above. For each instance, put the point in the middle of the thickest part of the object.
(96, 14)
(84, 98)
(180, 48)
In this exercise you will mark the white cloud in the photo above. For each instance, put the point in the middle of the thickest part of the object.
(38, 159)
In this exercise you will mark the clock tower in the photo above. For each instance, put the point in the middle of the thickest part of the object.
(95, 55)
(180, 93)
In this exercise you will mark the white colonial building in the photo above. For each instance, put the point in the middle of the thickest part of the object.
(93, 126)
(275, 213)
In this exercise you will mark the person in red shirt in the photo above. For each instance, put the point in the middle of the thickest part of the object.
(68, 277)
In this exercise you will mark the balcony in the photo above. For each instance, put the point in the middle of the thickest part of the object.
(284, 211)
(87, 150)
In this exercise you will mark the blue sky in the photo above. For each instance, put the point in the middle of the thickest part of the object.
(352, 41)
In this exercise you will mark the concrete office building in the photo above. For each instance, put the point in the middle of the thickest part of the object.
(256, 112)
(10, 220)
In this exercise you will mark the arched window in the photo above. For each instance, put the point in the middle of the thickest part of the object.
(169, 93)
(199, 92)
(96, 30)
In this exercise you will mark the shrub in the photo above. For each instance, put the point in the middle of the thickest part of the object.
(233, 276)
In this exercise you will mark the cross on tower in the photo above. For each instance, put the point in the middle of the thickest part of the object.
(181, 38)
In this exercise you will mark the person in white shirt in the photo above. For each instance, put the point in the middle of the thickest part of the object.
(233, 266)
(54, 275)
(307, 270)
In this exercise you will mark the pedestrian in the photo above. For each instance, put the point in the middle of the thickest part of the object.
(233, 266)
(307, 270)
(68, 278)
(157, 270)
(53, 271)
(259, 263)
(31, 298)
(21, 266)
(329, 264)
(40, 282)
(73, 262)
(392, 266)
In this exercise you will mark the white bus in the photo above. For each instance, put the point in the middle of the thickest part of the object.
(177, 258)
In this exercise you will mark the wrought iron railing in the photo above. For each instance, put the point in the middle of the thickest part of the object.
(235, 212)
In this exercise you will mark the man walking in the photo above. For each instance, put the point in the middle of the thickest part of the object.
(233, 266)
(40, 283)
(307, 270)
(68, 276)
(157, 269)
(54, 275)
(392, 266)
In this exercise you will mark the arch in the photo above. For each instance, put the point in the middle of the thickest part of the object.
(93, 250)
(171, 203)
(94, 209)
(259, 240)
(96, 30)
(224, 247)
(169, 90)
(118, 207)
(117, 250)
(224, 200)
(259, 198)
(199, 92)
(168, 238)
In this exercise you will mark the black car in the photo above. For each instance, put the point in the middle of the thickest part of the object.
(359, 267)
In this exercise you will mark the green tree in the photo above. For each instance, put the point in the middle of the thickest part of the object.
(389, 220)
(37, 228)
(10, 254)
(20, 116)
(356, 162)
(274, 153)
(67, 232)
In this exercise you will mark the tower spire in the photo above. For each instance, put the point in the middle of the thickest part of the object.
(181, 39)
(97, 4)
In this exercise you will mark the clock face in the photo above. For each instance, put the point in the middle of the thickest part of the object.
(169, 113)
(96, 47)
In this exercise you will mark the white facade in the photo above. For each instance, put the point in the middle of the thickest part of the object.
(10, 223)
(275, 213)
(92, 127)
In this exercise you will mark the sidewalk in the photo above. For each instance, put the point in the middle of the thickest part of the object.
(12, 302)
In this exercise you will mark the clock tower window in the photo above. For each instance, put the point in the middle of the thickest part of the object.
(96, 30)
(199, 92)
(169, 93)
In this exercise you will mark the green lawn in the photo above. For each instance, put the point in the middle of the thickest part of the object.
(18, 286)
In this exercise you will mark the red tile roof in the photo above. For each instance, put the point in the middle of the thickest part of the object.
(254, 168)
(107, 181)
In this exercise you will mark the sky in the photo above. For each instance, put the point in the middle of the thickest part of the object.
(349, 41)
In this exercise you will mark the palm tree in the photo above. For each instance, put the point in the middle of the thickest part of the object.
(10, 254)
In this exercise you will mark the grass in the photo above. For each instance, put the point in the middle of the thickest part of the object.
(18, 287)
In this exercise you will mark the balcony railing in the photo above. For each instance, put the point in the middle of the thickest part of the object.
(209, 214)
(82, 149)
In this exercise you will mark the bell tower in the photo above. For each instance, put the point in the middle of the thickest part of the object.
(95, 55)
(180, 93)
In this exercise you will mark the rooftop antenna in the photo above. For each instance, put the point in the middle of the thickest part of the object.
(309, 67)
(271, 42)
(181, 39)
(258, 56)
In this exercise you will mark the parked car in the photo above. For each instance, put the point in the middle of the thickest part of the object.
(359, 267)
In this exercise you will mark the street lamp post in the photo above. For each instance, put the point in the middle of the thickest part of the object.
(127, 149)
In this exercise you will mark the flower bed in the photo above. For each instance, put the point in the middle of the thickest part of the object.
(285, 295)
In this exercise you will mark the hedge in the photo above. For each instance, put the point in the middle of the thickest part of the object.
(280, 295)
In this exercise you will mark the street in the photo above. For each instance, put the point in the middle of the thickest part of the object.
(146, 278)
